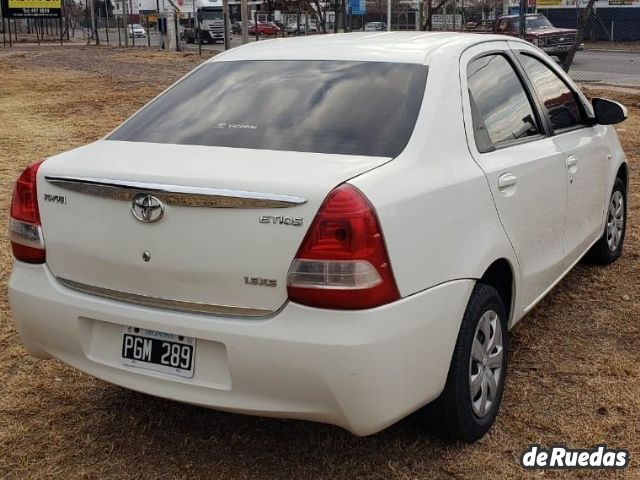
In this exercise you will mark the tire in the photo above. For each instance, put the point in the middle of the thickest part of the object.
(609, 247)
(562, 57)
(456, 414)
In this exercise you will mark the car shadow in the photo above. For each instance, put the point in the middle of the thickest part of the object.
(207, 440)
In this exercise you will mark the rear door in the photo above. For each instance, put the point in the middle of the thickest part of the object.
(524, 167)
(585, 149)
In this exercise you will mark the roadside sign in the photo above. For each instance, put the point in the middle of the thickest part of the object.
(357, 7)
(450, 21)
(32, 8)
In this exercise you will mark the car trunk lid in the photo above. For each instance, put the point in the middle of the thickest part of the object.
(233, 220)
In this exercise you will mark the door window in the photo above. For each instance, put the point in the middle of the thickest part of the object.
(561, 103)
(501, 110)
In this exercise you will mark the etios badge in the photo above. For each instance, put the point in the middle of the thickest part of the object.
(147, 208)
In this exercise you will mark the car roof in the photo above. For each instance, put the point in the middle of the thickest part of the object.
(398, 47)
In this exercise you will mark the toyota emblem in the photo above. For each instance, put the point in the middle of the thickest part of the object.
(147, 208)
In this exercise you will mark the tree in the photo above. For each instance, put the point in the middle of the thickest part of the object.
(380, 7)
(486, 6)
(583, 19)
(319, 10)
(73, 12)
(429, 10)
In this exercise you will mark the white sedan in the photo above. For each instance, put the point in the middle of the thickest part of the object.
(136, 30)
(338, 228)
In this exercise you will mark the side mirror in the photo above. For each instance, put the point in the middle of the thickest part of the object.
(609, 112)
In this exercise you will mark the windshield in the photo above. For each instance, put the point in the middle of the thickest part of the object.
(211, 14)
(534, 23)
(352, 108)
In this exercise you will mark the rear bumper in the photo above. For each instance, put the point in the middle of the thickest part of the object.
(359, 370)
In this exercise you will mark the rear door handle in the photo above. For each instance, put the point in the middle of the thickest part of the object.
(572, 163)
(507, 180)
(507, 184)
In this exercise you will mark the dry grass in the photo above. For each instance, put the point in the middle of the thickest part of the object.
(574, 375)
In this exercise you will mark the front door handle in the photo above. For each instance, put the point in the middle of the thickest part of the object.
(572, 163)
(507, 184)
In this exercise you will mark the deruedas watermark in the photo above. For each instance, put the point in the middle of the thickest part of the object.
(561, 457)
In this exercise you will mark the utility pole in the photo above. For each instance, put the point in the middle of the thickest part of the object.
(4, 35)
(345, 19)
(172, 30)
(225, 18)
(255, 23)
(94, 30)
(106, 13)
(125, 16)
(388, 15)
(163, 30)
(244, 18)
(444, 16)
(195, 23)
(523, 18)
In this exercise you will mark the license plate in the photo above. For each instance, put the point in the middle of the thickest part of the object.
(158, 351)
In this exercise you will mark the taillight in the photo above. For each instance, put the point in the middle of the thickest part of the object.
(25, 232)
(343, 262)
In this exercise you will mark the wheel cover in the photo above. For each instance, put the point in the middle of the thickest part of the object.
(485, 364)
(615, 221)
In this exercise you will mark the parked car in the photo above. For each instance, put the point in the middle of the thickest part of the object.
(236, 27)
(265, 28)
(207, 265)
(136, 30)
(539, 31)
(292, 28)
(374, 26)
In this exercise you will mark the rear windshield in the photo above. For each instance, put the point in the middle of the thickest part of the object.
(352, 108)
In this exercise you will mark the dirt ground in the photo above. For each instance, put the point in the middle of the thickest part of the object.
(602, 45)
(574, 376)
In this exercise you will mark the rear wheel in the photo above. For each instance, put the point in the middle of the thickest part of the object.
(467, 407)
(609, 247)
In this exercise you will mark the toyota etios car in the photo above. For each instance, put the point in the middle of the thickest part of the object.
(337, 228)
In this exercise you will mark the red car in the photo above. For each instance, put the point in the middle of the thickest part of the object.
(265, 28)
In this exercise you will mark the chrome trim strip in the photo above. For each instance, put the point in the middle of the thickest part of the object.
(175, 194)
(165, 303)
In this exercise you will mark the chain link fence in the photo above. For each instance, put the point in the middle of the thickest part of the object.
(610, 53)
